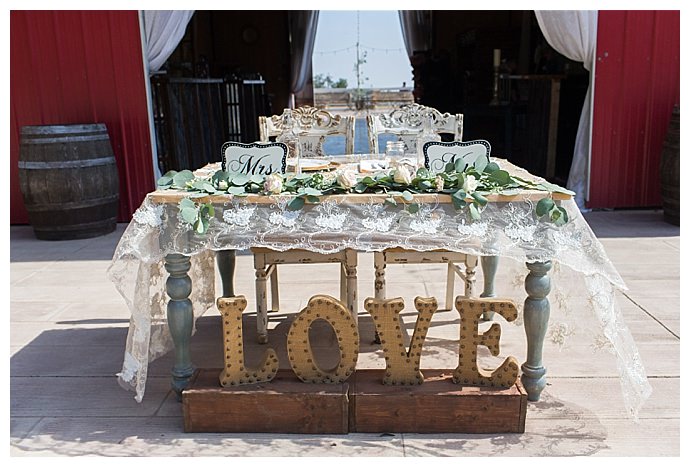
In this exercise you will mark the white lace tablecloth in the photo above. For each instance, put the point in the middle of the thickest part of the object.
(584, 285)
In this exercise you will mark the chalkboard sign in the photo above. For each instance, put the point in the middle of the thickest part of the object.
(254, 158)
(437, 154)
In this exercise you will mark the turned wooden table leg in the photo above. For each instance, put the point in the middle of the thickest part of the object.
(489, 268)
(536, 317)
(379, 283)
(225, 259)
(180, 318)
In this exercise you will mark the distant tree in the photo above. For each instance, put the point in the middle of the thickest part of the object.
(325, 81)
(320, 81)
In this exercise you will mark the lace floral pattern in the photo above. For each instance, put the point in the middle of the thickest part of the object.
(509, 230)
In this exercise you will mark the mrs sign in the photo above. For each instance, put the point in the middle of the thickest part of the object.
(254, 158)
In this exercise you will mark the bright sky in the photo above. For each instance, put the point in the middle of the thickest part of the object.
(380, 37)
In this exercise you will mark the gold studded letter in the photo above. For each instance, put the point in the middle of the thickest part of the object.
(299, 348)
(468, 372)
(235, 372)
(402, 365)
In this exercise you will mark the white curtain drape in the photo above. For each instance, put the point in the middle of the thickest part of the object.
(574, 34)
(302, 37)
(164, 29)
(416, 30)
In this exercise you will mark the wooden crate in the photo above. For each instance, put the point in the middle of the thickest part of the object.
(437, 406)
(361, 404)
(284, 405)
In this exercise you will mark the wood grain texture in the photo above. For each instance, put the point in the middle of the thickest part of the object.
(285, 405)
(437, 406)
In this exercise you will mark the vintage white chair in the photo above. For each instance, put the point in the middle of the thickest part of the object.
(406, 122)
(313, 126)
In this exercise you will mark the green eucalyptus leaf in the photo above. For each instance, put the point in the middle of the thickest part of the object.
(186, 203)
(164, 181)
(240, 180)
(296, 204)
(474, 212)
(479, 197)
(564, 214)
(544, 206)
(458, 199)
(189, 215)
(491, 167)
(220, 175)
(180, 179)
(368, 181)
(236, 190)
(407, 196)
(425, 185)
(450, 167)
(480, 165)
(500, 176)
(313, 191)
(553, 188)
(313, 199)
(412, 208)
(391, 201)
(360, 187)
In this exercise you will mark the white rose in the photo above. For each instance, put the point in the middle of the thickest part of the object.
(347, 179)
(439, 183)
(273, 184)
(470, 184)
(402, 175)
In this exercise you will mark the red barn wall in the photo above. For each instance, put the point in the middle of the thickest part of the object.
(82, 67)
(637, 84)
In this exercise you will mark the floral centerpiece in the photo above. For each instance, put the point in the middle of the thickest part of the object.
(467, 187)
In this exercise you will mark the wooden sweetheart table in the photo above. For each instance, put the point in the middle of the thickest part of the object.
(166, 272)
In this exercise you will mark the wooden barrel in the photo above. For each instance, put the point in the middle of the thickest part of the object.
(69, 180)
(670, 170)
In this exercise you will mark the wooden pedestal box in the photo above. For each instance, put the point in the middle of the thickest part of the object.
(284, 405)
(437, 406)
(361, 404)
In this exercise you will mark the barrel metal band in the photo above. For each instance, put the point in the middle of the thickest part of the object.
(66, 139)
(38, 165)
(67, 205)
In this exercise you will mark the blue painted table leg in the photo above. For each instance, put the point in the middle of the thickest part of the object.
(225, 259)
(180, 318)
(489, 268)
(536, 317)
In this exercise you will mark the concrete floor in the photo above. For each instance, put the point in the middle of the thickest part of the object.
(68, 327)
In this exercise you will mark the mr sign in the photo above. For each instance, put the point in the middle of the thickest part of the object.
(253, 158)
(438, 154)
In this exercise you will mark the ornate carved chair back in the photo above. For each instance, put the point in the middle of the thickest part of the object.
(313, 126)
(407, 122)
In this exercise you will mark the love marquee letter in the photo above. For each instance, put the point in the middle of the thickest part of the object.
(468, 372)
(299, 349)
(235, 372)
(402, 365)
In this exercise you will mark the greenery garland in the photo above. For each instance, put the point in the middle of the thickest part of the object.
(467, 186)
